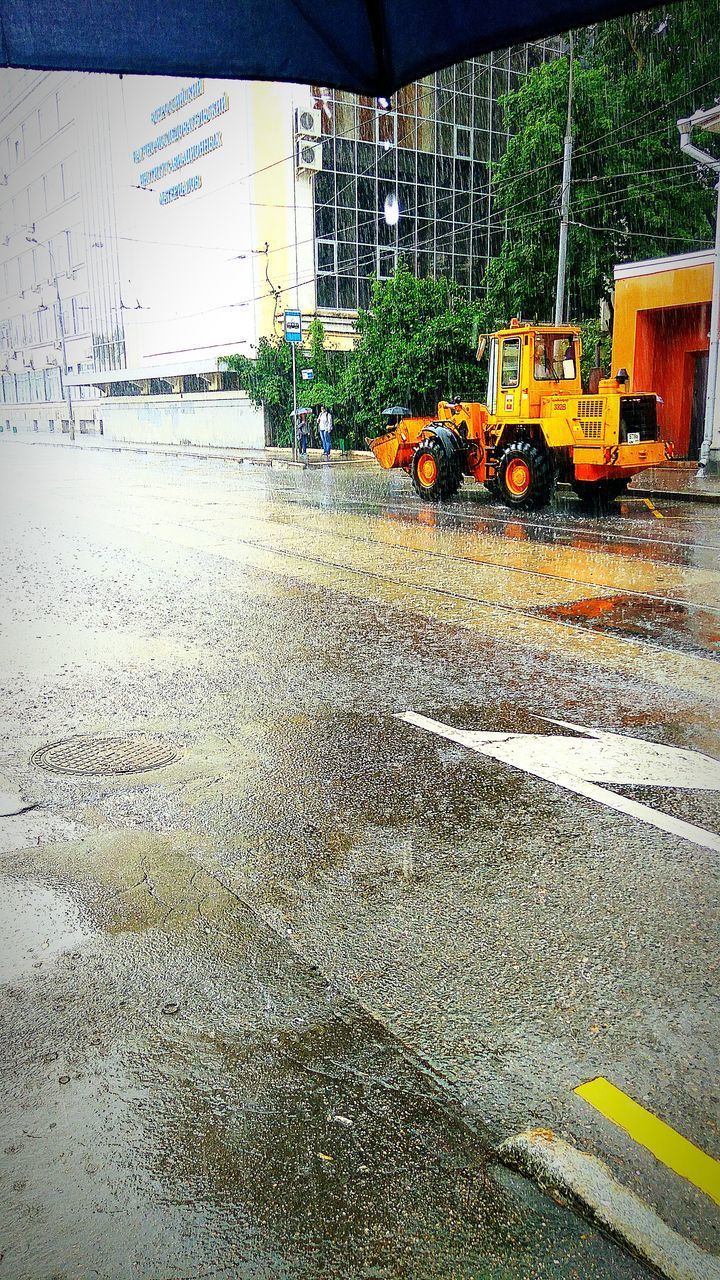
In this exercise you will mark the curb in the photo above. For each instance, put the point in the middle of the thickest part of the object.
(587, 1182)
(276, 458)
(676, 495)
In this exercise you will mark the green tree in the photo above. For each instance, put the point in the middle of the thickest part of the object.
(416, 345)
(267, 378)
(633, 193)
(328, 369)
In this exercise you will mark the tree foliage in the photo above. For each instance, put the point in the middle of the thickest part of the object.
(416, 345)
(268, 379)
(633, 193)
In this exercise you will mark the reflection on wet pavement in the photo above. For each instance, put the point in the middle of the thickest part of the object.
(193, 1100)
(662, 621)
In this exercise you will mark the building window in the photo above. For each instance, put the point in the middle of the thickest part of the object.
(12, 276)
(45, 332)
(49, 117)
(463, 141)
(327, 257)
(347, 293)
(386, 262)
(69, 177)
(53, 187)
(386, 126)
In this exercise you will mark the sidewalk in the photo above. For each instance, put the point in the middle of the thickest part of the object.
(676, 480)
(268, 457)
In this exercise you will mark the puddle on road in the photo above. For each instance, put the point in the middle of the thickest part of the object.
(665, 622)
(36, 925)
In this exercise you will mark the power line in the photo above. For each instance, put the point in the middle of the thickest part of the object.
(646, 235)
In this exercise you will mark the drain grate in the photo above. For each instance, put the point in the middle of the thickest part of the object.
(103, 756)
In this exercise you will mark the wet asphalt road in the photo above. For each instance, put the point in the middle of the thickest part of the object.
(319, 914)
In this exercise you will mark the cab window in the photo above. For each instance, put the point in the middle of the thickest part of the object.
(510, 368)
(554, 357)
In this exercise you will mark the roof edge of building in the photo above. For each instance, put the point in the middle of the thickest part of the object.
(652, 266)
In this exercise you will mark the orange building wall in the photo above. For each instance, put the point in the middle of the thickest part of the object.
(662, 321)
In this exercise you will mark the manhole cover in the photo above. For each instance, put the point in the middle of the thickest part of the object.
(104, 755)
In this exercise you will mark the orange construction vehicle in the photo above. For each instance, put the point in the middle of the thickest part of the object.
(538, 427)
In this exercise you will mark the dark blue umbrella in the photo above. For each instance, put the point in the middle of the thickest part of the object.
(368, 46)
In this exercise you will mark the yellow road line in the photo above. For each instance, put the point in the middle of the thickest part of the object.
(651, 507)
(668, 1146)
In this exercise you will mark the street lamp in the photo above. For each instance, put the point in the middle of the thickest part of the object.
(61, 322)
(710, 447)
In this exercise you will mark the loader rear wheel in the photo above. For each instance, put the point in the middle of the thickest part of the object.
(435, 475)
(526, 477)
(599, 495)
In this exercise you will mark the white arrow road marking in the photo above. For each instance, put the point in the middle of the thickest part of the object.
(573, 763)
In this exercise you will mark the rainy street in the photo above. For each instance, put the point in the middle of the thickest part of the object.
(358, 893)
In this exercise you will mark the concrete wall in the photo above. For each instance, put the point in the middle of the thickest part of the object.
(225, 418)
(43, 418)
(213, 418)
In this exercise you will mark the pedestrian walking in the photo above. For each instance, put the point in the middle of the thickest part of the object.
(325, 426)
(304, 434)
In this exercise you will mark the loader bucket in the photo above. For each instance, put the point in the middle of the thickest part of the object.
(395, 448)
(386, 448)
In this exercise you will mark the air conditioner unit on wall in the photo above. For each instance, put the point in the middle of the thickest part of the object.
(308, 122)
(309, 156)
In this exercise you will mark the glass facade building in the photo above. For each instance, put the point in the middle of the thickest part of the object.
(433, 149)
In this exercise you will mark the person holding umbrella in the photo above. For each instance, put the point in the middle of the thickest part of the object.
(302, 429)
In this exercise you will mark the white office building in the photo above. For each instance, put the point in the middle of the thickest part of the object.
(149, 226)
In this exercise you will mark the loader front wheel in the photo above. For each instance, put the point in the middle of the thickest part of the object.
(435, 475)
(526, 477)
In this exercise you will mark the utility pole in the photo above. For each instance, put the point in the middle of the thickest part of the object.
(61, 323)
(565, 202)
(710, 447)
(295, 412)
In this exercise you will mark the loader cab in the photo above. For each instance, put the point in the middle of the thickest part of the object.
(556, 360)
(527, 363)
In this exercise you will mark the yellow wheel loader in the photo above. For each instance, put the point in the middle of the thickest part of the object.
(538, 427)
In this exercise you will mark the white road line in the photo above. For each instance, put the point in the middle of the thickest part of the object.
(493, 745)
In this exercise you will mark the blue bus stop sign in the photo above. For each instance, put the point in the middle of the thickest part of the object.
(293, 326)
